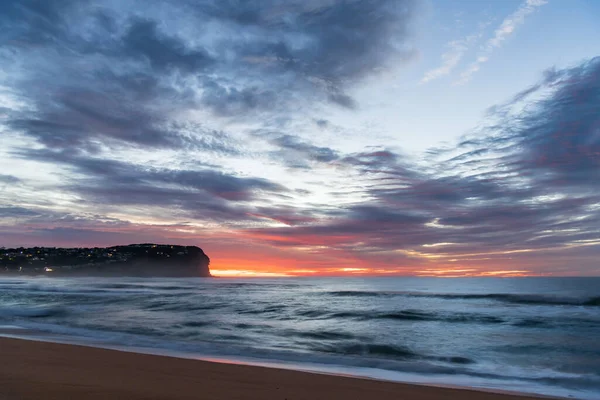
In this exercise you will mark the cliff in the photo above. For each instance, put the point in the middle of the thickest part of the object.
(143, 260)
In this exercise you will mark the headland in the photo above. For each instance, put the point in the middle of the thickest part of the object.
(138, 260)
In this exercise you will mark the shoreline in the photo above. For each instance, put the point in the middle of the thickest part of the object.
(31, 367)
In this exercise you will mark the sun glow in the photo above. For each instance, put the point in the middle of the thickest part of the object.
(239, 273)
(354, 270)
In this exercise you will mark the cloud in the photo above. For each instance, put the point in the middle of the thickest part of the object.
(312, 48)
(450, 59)
(556, 133)
(9, 179)
(104, 107)
(231, 101)
(321, 39)
(143, 39)
(297, 153)
(30, 23)
(203, 193)
(16, 212)
(111, 75)
(501, 34)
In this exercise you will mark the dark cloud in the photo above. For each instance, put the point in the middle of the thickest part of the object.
(392, 164)
(35, 22)
(84, 93)
(342, 40)
(68, 236)
(375, 214)
(374, 159)
(9, 179)
(343, 100)
(113, 75)
(555, 139)
(306, 47)
(79, 117)
(202, 193)
(101, 74)
(143, 39)
(135, 109)
(231, 101)
(16, 212)
(322, 123)
(294, 146)
(286, 215)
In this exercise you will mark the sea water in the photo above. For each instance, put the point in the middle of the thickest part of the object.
(538, 335)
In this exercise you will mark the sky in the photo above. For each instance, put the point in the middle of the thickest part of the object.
(307, 137)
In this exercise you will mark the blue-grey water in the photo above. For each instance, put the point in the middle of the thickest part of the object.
(538, 335)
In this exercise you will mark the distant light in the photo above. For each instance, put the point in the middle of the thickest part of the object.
(47, 269)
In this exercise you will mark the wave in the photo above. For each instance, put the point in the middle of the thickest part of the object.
(360, 293)
(162, 305)
(460, 318)
(426, 316)
(594, 301)
(530, 322)
(410, 315)
(196, 324)
(390, 351)
(322, 335)
(32, 311)
(502, 297)
(265, 310)
(225, 284)
(363, 349)
(38, 289)
(121, 286)
(142, 286)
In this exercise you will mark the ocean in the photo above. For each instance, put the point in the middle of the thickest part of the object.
(538, 335)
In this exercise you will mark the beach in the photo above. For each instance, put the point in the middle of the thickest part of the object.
(41, 370)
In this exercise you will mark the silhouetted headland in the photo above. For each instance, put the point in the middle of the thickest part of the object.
(141, 260)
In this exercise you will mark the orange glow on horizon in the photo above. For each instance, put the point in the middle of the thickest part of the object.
(240, 257)
(237, 273)
(441, 272)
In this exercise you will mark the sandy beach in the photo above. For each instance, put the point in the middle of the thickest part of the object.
(39, 370)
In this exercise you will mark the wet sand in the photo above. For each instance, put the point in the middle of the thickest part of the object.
(39, 370)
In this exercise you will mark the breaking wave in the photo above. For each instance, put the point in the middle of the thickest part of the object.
(502, 297)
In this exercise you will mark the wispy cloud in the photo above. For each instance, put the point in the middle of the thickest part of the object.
(450, 59)
(506, 28)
